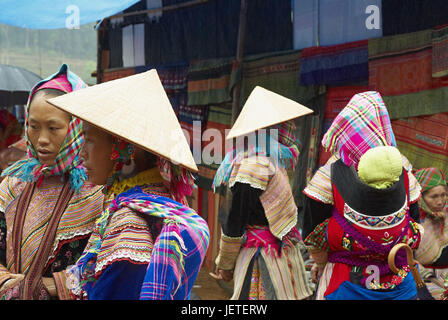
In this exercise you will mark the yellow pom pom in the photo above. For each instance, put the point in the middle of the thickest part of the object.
(380, 167)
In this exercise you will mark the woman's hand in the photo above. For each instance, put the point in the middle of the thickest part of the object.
(316, 272)
(12, 282)
(11, 288)
(226, 275)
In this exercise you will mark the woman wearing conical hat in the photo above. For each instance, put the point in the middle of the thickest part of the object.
(147, 244)
(259, 245)
(433, 250)
(48, 209)
(360, 204)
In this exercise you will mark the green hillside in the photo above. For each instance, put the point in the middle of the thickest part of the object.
(43, 51)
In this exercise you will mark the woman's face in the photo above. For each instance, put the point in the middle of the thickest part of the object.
(435, 198)
(47, 128)
(96, 153)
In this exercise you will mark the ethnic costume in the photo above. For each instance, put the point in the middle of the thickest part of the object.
(47, 212)
(259, 239)
(433, 250)
(356, 212)
(147, 244)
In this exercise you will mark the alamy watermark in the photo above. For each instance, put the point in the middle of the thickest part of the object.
(210, 146)
(373, 21)
(73, 19)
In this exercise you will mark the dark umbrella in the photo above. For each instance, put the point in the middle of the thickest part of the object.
(15, 84)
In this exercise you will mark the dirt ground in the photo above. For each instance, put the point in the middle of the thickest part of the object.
(207, 288)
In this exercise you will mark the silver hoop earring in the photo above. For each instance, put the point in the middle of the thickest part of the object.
(128, 169)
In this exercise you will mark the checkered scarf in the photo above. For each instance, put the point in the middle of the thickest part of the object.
(429, 178)
(363, 124)
(122, 153)
(287, 137)
(178, 180)
(283, 150)
(67, 160)
(169, 248)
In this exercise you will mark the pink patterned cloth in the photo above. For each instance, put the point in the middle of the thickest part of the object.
(363, 124)
(262, 237)
(60, 82)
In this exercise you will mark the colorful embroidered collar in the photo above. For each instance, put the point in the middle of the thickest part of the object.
(146, 177)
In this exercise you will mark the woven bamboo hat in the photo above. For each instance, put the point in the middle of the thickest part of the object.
(136, 109)
(263, 109)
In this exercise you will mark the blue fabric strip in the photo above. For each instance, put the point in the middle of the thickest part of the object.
(349, 291)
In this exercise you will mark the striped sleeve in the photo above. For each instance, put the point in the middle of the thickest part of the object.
(254, 171)
(319, 188)
(7, 194)
(229, 249)
(127, 237)
(414, 188)
(60, 280)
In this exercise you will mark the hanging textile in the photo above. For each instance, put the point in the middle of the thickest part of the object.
(309, 133)
(440, 51)
(400, 68)
(209, 82)
(219, 119)
(172, 76)
(117, 73)
(278, 72)
(423, 140)
(128, 46)
(336, 64)
(192, 120)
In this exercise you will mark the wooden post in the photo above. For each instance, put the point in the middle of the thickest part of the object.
(239, 59)
(99, 53)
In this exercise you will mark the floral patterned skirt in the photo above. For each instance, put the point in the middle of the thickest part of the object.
(257, 291)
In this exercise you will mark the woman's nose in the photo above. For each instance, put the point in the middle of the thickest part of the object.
(43, 139)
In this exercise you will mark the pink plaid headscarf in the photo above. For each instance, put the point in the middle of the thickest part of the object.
(67, 160)
(363, 124)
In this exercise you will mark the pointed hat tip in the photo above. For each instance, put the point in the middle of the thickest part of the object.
(265, 108)
(135, 108)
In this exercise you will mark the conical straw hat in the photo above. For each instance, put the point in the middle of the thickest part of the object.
(263, 109)
(136, 109)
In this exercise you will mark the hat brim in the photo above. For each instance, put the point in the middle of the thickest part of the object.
(191, 168)
(135, 109)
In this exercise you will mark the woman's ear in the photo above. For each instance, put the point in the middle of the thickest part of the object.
(129, 169)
